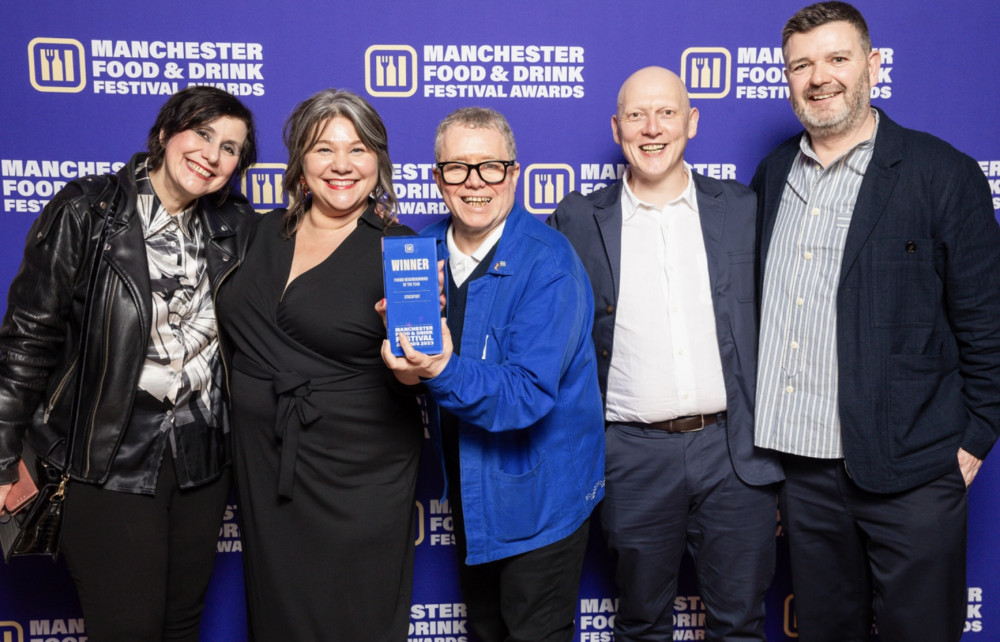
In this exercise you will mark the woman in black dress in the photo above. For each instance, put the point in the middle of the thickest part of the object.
(326, 442)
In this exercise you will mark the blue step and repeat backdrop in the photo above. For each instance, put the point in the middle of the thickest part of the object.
(80, 84)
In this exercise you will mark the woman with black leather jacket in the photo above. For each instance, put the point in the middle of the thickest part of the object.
(110, 336)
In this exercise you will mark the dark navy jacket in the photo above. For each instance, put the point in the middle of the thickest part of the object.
(593, 225)
(918, 308)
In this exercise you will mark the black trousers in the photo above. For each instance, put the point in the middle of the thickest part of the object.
(857, 556)
(529, 597)
(142, 564)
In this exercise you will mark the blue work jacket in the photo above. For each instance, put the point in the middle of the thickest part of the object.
(524, 388)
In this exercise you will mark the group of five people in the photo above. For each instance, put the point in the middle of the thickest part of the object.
(683, 348)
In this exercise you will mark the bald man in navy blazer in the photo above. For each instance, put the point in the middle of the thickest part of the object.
(670, 255)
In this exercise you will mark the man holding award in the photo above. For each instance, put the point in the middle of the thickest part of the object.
(515, 406)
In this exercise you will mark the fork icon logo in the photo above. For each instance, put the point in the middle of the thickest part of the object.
(11, 632)
(263, 186)
(57, 65)
(391, 70)
(706, 71)
(545, 185)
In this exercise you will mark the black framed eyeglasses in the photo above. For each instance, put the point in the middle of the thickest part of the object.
(491, 171)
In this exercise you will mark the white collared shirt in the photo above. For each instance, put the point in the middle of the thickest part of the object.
(462, 265)
(666, 360)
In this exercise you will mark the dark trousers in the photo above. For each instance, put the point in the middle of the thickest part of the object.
(667, 493)
(529, 597)
(854, 555)
(142, 564)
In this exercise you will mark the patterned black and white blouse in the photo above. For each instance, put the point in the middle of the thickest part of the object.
(180, 376)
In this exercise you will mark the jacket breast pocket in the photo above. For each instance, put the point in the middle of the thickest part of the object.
(494, 346)
(907, 289)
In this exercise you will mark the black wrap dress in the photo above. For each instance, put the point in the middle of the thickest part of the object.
(326, 443)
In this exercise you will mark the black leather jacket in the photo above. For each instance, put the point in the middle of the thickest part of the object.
(40, 339)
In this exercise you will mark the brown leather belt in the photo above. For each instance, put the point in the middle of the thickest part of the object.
(691, 423)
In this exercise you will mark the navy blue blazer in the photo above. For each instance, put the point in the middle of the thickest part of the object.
(918, 308)
(593, 224)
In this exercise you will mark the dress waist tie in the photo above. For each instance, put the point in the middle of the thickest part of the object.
(296, 411)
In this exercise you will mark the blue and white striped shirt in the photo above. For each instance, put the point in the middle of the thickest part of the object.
(797, 409)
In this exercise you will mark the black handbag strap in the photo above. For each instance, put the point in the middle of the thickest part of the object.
(106, 205)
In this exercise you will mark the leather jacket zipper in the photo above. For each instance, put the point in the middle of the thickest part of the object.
(57, 393)
(218, 332)
(109, 304)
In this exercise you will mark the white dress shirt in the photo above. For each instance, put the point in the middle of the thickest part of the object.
(665, 362)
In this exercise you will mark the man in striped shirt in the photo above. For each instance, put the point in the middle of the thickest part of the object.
(879, 346)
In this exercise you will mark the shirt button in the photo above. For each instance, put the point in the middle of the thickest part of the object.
(807, 256)
(609, 309)
(794, 345)
(789, 389)
(799, 301)
(815, 211)
(604, 353)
